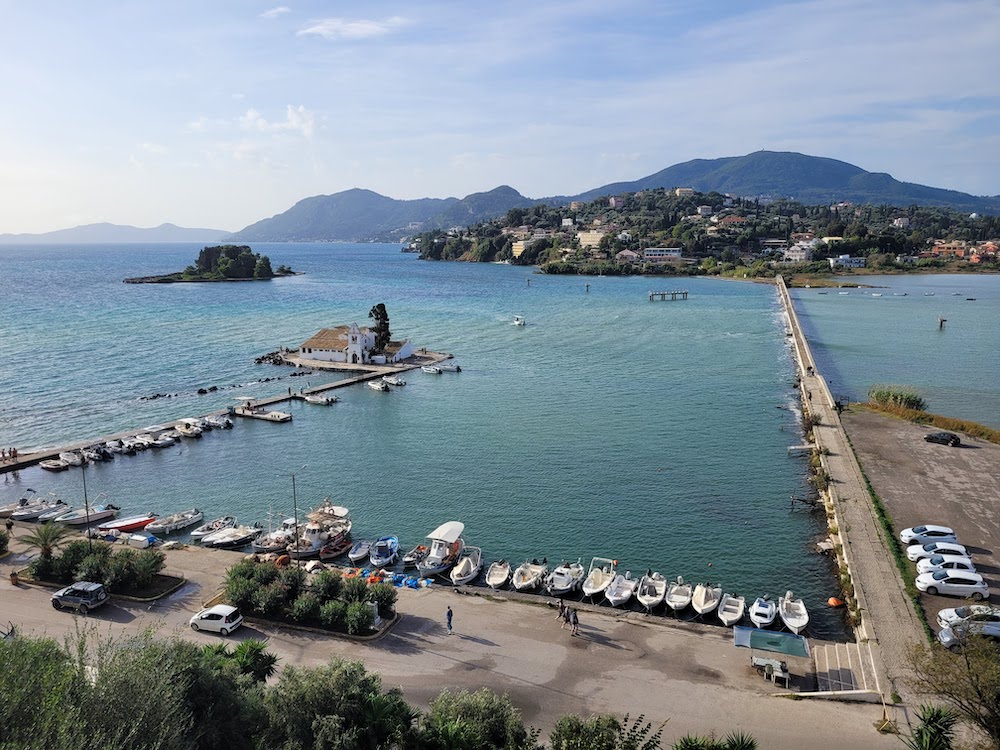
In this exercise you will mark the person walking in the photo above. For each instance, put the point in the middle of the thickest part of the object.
(448, 618)
(562, 610)
(10, 527)
(575, 622)
(566, 618)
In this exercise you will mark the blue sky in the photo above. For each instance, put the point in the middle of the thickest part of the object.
(218, 114)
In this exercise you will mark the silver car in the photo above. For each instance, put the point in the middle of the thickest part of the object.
(948, 618)
(946, 562)
(953, 638)
(954, 583)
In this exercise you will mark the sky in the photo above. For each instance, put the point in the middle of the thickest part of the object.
(219, 114)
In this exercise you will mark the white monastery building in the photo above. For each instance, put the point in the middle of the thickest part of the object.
(354, 345)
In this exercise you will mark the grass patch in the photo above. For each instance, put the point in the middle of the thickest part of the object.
(918, 416)
(896, 396)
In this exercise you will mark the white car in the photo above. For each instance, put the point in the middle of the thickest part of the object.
(222, 619)
(927, 533)
(946, 562)
(948, 618)
(929, 549)
(954, 583)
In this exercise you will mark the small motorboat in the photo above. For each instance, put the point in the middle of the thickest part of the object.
(679, 594)
(793, 612)
(276, 540)
(763, 611)
(468, 567)
(706, 598)
(320, 399)
(731, 609)
(27, 497)
(143, 441)
(73, 458)
(132, 523)
(379, 385)
(114, 446)
(449, 367)
(233, 537)
(564, 578)
(336, 545)
(415, 555)
(529, 575)
(599, 577)
(384, 551)
(189, 428)
(447, 546)
(652, 590)
(432, 369)
(54, 464)
(498, 574)
(620, 589)
(360, 551)
(84, 516)
(164, 441)
(518, 320)
(175, 521)
(218, 524)
(393, 380)
(38, 507)
(57, 509)
(219, 422)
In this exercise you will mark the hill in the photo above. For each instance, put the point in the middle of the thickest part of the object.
(114, 233)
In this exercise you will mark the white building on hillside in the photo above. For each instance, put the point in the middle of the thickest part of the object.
(352, 344)
(846, 261)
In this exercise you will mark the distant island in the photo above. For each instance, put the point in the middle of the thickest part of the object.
(221, 263)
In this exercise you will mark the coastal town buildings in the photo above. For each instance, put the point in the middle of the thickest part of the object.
(846, 261)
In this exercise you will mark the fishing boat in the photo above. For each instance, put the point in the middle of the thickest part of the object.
(793, 612)
(620, 589)
(132, 523)
(54, 464)
(385, 551)
(763, 611)
(431, 369)
(276, 540)
(652, 590)
(679, 594)
(446, 545)
(706, 598)
(731, 609)
(335, 518)
(415, 555)
(360, 551)
(175, 521)
(393, 380)
(218, 524)
(379, 385)
(233, 537)
(564, 578)
(336, 545)
(468, 567)
(320, 399)
(529, 575)
(84, 516)
(309, 541)
(498, 574)
(599, 577)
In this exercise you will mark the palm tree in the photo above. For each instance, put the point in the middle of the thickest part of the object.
(47, 538)
(252, 658)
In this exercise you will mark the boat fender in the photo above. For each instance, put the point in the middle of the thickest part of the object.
(835, 602)
(283, 561)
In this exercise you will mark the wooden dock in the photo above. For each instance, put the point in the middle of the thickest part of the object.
(673, 296)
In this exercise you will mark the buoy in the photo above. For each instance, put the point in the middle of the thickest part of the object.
(282, 561)
(710, 565)
(835, 602)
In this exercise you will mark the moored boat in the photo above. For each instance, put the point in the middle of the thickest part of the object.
(763, 611)
(652, 590)
(217, 524)
(731, 609)
(219, 421)
(393, 380)
(384, 551)
(565, 578)
(529, 575)
(468, 567)
(706, 597)
(679, 594)
(56, 510)
(431, 369)
(793, 612)
(320, 399)
(446, 547)
(620, 589)
(379, 385)
(599, 577)
(84, 516)
(26, 498)
(360, 551)
(449, 367)
(38, 507)
(73, 458)
(175, 521)
(54, 464)
(415, 555)
(276, 540)
(336, 545)
(233, 537)
(498, 574)
(308, 542)
(132, 523)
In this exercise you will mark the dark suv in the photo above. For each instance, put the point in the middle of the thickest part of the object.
(82, 596)
(944, 438)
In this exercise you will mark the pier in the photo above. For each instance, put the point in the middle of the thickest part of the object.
(674, 295)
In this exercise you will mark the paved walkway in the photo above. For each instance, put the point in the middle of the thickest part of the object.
(888, 617)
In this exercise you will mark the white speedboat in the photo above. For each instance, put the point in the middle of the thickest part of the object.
(518, 320)
(447, 546)
(189, 427)
(233, 537)
(393, 380)
(449, 367)
(219, 422)
(143, 440)
(652, 590)
(84, 516)
(360, 551)
(378, 385)
(57, 509)
(73, 458)
(599, 577)
(679, 594)
(53, 464)
(468, 567)
(498, 574)
(529, 575)
(432, 369)
(39, 506)
(27, 497)
(320, 399)
(620, 589)
(164, 441)
(731, 609)
(217, 524)
(175, 521)
(763, 611)
(706, 598)
(384, 551)
(793, 612)
(564, 578)
(113, 446)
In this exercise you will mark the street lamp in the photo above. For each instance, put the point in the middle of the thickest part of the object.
(86, 505)
(295, 514)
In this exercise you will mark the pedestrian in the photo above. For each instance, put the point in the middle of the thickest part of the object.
(566, 618)
(15, 452)
(3, 454)
(562, 610)
(810, 395)
(10, 527)
(575, 621)
(448, 617)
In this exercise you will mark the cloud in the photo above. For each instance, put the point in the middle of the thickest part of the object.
(297, 119)
(152, 148)
(341, 28)
(275, 12)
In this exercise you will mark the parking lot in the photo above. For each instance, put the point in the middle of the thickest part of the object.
(921, 482)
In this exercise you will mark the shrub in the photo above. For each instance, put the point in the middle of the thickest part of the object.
(305, 607)
(4, 541)
(264, 573)
(327, 585)
(354, 590)
(240, 593)
(148, 563)
(293, 579)
(244, 570)
(119, 571)
(896, 395)
(92, 568)
(333, 614)
(360, 618)
(41, 568)
(66, 563)
(384, 595)
(268, 600)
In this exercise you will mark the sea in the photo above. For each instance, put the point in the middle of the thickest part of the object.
(653, 433)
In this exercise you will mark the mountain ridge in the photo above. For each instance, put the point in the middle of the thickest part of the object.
(104, 232)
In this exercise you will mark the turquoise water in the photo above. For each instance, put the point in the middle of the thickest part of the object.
(654, 433)
(859, 340)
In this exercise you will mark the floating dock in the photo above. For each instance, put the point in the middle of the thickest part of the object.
(673, 296)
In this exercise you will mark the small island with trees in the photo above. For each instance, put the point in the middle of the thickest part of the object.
(222, 263)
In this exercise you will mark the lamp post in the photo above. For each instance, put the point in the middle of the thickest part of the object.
(295, 515)
(86, 505)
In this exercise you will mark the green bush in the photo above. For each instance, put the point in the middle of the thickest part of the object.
(384, 595)
(65, 564)
(244, 570)
(896, 395)
(333, 614)
(92, 568)
(305, 607)
(119, 571)
(293, 579)
(147, 564)
(240, 593)
(265, 573)
(360, 618)
(354, 590)
(41, 568)
(268, 600)
(327, 585)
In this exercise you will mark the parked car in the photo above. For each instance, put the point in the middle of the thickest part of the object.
(947, 618)
(953, 638)
(944, 438)
(927, 533)
(946, 562)
(954, 583)
(929, 549)
(82, 596)
(222, 619)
